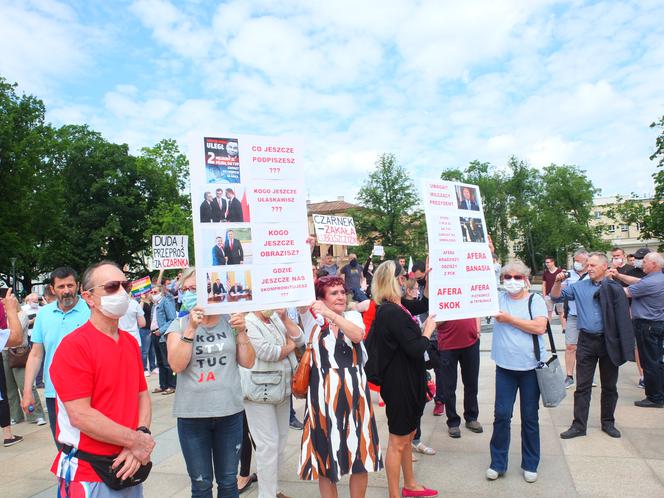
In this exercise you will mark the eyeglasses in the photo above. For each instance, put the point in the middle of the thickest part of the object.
(191, 288)
(155, 292)
(515, 277)
(113, 286)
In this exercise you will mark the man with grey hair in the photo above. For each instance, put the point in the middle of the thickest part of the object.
(605, 337)
(648, 317)
(572, 330)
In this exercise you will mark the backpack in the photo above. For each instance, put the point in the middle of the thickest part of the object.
(372, 366)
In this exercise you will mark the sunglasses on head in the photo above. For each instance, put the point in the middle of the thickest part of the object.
(113, 286)
(515, 277)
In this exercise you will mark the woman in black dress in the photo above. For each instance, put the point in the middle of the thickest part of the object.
(400, 346)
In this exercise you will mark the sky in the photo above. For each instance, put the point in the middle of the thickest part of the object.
(437, 83)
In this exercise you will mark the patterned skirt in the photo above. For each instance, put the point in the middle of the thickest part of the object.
(340, 435)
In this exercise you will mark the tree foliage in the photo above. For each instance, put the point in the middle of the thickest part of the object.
(654, 221)
(631, 210)
(390, 215)
(71, 197)
(540, 212)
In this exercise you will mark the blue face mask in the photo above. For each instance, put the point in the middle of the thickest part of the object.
(188, 300)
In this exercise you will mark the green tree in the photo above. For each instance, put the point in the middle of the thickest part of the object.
(390, 215)
(116, 201)
(168, 168)
(29, 191)
(565, 210)
(632, 209)
(654, 221)
(523, 188)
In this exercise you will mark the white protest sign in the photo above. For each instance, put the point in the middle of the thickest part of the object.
(170, 251)
(250, 223)
(337, 230)
(379, 251)
(462, 283)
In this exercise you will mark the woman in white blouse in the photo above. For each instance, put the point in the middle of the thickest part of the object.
(267, 389)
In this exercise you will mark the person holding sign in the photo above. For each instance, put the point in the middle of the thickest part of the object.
(11, 334)
(206, 352)
(521, 316)
(340, 435)
(267, 389)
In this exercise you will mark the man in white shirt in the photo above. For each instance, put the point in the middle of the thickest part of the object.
(132, 320)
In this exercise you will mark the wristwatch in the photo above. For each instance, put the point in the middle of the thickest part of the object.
(142, 428)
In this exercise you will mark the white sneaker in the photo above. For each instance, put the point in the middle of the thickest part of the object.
(156, 370)
(423, 448)
(491, 474)
(529, 476)
(41, 421)
(147, 373)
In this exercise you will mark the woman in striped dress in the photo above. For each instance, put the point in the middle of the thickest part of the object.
(340, 435)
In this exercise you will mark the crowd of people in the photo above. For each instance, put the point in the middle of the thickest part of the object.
(372, 344)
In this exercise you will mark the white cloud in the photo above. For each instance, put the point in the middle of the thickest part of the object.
(42, 41)
(438, 83)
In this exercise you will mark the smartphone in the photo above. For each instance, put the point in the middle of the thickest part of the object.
(3, 292)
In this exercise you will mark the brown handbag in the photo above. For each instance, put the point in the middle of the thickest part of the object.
(17, 357)
(300, 380)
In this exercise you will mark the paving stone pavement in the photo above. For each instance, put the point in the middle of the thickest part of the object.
(595, 465)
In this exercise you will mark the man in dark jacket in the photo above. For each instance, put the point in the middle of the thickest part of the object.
(233, 250)
(234, 213)
(206, 208)
(219, 206)
(605, 337)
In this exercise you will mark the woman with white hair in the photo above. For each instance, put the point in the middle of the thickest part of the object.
(521, 318)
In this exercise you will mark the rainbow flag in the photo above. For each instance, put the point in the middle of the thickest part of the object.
(141, 286)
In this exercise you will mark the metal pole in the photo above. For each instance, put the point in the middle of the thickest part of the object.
(13, 260)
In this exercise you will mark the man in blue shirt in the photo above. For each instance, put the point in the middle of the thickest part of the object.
(54, 321)
(591, 346)
(647, 296)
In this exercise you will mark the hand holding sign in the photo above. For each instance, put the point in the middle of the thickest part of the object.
(237, 322)
(196, 316)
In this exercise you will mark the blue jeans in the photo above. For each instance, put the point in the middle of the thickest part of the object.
(147, 350)
(507, 383)
(211, 448)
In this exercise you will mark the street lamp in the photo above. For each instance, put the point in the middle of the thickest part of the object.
(13, 260)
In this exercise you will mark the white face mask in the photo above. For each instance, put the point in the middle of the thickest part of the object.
(156, 298)
(578, 266)
(638, 263)
(34, 306)
(514, 286)
(617, 261)
(115, 305)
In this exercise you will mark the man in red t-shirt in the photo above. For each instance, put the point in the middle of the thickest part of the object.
(459, 344)
(103, 407)
(548, 279)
